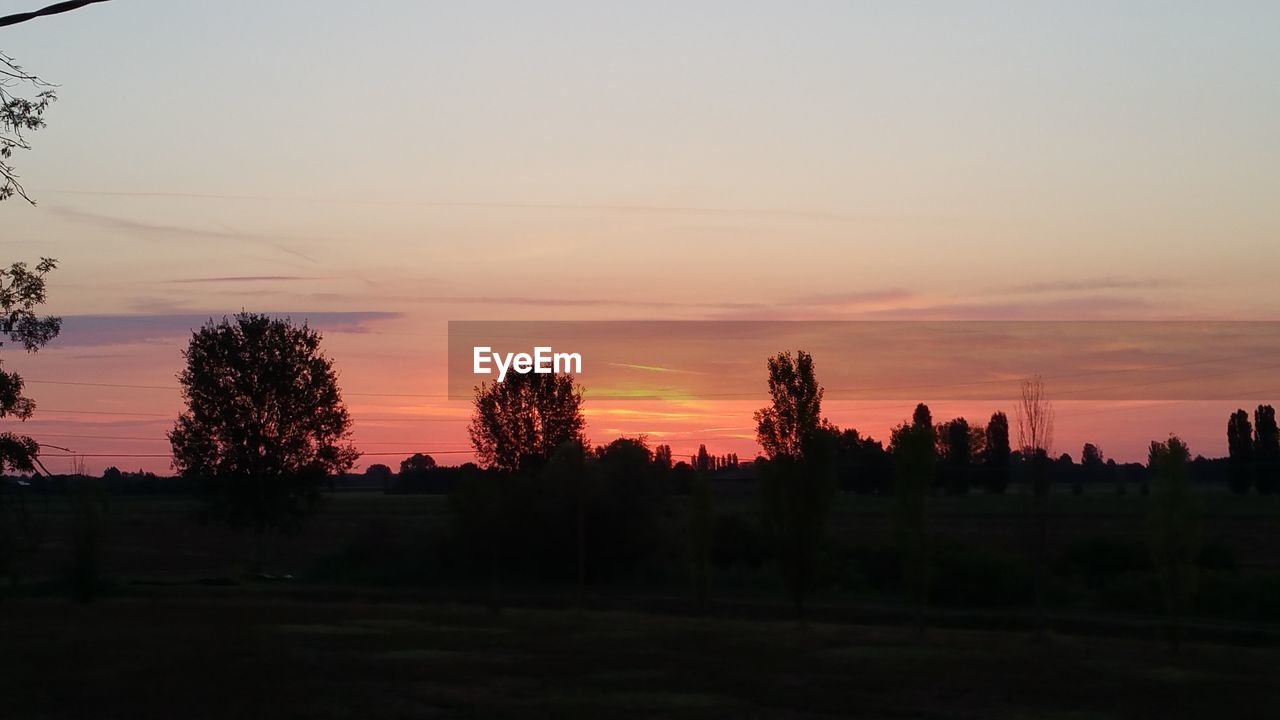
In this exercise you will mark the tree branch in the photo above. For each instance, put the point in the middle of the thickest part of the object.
(53, 9)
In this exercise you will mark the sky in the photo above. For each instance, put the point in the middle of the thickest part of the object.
(382, 168)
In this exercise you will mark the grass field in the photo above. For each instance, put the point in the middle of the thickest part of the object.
(158, 645)
(243, 655)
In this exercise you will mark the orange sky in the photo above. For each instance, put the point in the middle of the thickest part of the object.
(383, 173)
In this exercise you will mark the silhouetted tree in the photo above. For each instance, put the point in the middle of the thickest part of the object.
(19, 115)
(914, 451)
(1093, 466)
(922, 417)
(662, 457)
(518, 423)
(516, 427)
(794, 413)
(1035, 442)
(1240, 452)
(997, 454)
(798, 479)
(702, 461)
(22, 290)
(380, 474)
(417, 462)
(1091, 455)
(265, 423)
(958, 457)
(1175, 530)
(862, 464)
(1266, 450)
(682, 477)
(625, 510)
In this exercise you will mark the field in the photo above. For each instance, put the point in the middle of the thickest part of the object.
(238, 655)
(159, 536)
(180, 632)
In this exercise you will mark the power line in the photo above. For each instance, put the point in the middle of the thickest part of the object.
(100, 384)
(102, 412)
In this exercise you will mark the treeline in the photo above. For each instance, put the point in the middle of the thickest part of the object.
(265, 431)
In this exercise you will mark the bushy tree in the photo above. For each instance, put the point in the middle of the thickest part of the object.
(1174, 526)
(380, 474)
(798, 477)
(518, 423)
(627, 508)
(1240, 452)
(585, 516)
(862, 464)
(795, 410)
(265, 423)
(417, 462)
(521, 507)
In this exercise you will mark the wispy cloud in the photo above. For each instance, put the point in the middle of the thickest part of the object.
(1094, 285)
(1091, 307)
(518, 300)
(100, 330)
(844, 300)
(852, 298)
(242, 279)
(656, 369)
(641, 208)
(159, 231)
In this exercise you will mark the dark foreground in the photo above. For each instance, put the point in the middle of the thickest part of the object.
(243, 656)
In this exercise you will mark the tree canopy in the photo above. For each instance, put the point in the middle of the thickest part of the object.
(795, 410)
(518, 423)
(265, 420)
